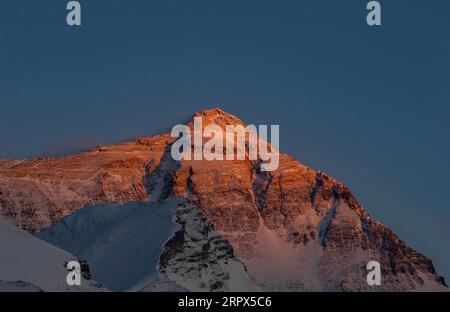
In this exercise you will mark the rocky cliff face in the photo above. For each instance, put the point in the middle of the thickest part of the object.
(35, 194)
(200, 259)
(294, 228)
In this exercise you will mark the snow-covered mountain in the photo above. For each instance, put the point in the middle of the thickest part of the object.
(294, 228)
(30, 264)
(123, 245)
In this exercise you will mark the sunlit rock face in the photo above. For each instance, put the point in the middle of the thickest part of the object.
(294, 228)
(37, 193)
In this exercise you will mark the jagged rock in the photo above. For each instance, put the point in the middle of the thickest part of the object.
(199, 259)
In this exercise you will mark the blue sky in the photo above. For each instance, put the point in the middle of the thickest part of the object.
(369, 106)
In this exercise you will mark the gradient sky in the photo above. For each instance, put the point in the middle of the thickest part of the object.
(369, 106)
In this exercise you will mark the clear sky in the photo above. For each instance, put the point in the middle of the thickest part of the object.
(369, 106)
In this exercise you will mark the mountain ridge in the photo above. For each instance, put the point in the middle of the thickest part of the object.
(307, 216)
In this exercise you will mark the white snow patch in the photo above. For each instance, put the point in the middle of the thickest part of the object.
(280, 265)
(26, 258)
(122, 244)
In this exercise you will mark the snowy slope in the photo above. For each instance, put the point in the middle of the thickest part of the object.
(122, 244)
(18, 286)
(30, 264)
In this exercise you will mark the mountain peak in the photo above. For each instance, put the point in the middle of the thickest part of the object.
(217, 116)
